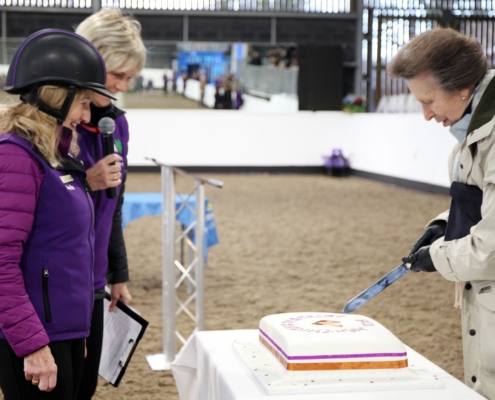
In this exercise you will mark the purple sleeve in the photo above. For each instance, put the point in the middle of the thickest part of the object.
(21, 177)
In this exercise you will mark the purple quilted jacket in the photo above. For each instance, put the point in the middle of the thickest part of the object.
(21, 178)
(46, 249)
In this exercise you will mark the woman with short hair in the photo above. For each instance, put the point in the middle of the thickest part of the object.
(46, 217)
(447, 73)
(118, 39)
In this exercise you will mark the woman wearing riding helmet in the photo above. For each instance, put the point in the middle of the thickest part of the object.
(117, 37)
(46, 217)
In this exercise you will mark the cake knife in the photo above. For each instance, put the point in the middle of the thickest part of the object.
(376, 288)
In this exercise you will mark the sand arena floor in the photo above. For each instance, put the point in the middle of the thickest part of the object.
(296, 243)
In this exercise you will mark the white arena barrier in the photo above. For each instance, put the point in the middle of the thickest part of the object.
(397, 145)
(278, 103)
(399, 103)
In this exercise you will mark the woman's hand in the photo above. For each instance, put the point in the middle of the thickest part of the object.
(119, 291)
(41, 370)
(102, 175)
(432, 233)
(420, 261)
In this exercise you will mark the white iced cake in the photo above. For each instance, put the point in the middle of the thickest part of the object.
(316, 341)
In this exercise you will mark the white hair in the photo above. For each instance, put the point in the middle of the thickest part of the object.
(117, 37)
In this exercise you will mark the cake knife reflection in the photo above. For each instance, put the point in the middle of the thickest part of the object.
(376, 288)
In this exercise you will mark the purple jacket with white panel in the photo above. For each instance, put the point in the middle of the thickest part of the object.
(46, 248)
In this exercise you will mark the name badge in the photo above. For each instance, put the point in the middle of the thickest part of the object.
(66, 178)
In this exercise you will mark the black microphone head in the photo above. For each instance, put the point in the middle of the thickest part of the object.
(106, 125)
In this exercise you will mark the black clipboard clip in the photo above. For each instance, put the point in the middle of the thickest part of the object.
(125, 354)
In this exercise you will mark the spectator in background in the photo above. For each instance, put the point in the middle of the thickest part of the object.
(185, 77)
(218, 82)
(227, 98)
(203, 80)
(165, 83)
(174, 82)
(223, 96)
(255, 58)
(294, 64)
(239, 101)
(219, 98)
(195, 75)
(149, 86)
(279, 57)
(139, 83)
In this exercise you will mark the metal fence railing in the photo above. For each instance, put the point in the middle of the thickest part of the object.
(389, 24)
(63, 4)
(302, 6)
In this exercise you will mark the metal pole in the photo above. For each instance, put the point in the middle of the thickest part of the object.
(273, 30)
(200, 245)
(168, 266)
(4, 38)
(96, 6)
(185, 28)
(358, 73)
(369, 64)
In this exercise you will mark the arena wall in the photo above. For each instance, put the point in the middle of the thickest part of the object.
(402, 146)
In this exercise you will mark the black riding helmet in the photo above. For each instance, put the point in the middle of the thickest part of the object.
(55, 57)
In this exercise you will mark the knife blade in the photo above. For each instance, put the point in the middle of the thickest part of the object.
(376, 288)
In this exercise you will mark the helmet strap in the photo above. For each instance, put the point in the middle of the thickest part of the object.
(32, 97)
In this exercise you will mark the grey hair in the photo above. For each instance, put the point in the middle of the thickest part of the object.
(455, 60)
(117, 37)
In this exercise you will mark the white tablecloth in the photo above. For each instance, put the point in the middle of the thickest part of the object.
(208, 369)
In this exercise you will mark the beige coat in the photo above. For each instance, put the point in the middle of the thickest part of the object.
(471, 260)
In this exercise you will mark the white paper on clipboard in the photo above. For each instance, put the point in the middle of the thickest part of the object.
(120, 335)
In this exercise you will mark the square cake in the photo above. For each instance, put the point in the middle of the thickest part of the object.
(316, 341)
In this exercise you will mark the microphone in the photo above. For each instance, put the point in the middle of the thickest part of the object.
(106, 126)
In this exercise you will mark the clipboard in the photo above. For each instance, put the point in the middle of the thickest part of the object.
(122, 330)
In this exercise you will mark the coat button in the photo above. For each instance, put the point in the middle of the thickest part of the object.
(462, 166)
(473, 379)
(472, 332)
(468, 286)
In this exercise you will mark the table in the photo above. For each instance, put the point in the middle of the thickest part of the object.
(137, 205)
(208, 369)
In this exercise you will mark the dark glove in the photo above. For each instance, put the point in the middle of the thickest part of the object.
(420, 260)
(430, 234)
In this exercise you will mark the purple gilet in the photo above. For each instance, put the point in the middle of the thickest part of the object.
(107, 262)
(46, 249)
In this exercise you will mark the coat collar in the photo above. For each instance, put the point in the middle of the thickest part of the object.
(482, 121)
(480, 133)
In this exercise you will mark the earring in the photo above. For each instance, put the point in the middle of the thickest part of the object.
(463, 98)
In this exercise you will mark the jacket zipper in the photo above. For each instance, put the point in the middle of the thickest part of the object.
(96, 194)
(90, 201)
(46, 298)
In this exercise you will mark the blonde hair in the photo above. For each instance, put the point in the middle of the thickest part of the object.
(117, 37)
(40, 129)
(455, 60)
